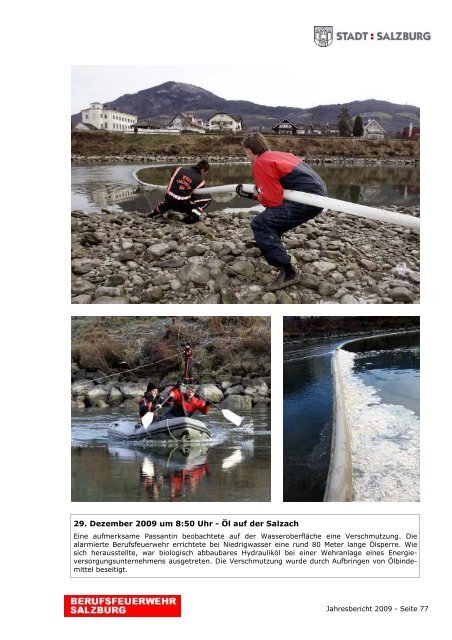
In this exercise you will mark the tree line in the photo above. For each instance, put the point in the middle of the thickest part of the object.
(347, 127)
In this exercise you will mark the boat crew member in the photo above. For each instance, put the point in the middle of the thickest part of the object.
(179, 193)
(188, 367)
(150, 401)
(274, 171)
(185, 404)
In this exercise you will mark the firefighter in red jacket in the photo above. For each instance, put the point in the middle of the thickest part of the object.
(274, 171)
(179, 193)
(186, 404)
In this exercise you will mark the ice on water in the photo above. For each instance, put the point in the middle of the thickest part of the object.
(384, 442)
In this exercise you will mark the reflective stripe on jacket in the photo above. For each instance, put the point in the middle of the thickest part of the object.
(183, 181)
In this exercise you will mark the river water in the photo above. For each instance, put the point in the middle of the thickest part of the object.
(111, 185)
(387, 368)
(234, 466)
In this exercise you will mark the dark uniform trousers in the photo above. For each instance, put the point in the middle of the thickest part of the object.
(269, 226)
(183, 206)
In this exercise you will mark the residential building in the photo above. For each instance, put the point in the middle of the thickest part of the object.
(373, 130)
(184, 122)
(303, 129)
(318, 130)
(107, 119)
(285, 128)
(150, 127)
(225, 122)
(147, 124)
(331, 129)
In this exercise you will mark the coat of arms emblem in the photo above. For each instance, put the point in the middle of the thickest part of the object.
(323, 36)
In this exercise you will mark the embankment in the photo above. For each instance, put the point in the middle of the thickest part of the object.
(102, 145)
(114, 358)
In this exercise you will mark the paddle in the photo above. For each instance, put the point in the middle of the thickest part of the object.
(148, 417)
(227, 413)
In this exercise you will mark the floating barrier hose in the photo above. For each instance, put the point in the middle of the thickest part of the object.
(339, 484)
(360, 210)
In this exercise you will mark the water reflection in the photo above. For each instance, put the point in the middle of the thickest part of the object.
(168, 474)
(97, 186)
(234, 465)
(391, 365)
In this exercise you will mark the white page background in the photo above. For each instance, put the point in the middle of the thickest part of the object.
(41, 43)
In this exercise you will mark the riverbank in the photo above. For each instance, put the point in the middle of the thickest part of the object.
(101, 146)
(114, 358)
(320, 329)
(128, 259)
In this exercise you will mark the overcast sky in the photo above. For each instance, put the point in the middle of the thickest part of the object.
(297, 85)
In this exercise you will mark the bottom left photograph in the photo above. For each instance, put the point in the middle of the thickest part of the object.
(170, 408)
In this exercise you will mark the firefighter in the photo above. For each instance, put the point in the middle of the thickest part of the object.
(188, 367)
(274, 171)
(185, 403)
(150, 401)
(179, 193)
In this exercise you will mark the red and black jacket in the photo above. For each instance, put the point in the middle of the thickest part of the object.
(275, 171)
(183, 181)
(187, 407)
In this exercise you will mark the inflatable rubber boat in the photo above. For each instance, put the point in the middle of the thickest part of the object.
(166, 430)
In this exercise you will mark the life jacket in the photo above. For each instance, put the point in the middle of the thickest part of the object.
(149, 402)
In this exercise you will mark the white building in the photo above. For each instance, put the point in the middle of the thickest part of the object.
(225, 122)
(108, 119)
(185, 122)
(373, 130)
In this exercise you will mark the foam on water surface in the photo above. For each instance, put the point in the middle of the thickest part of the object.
(384, 441)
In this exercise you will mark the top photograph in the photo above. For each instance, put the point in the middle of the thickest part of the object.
(191, 185)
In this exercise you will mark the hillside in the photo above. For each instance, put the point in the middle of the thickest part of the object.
(164, 101)
(223, 346)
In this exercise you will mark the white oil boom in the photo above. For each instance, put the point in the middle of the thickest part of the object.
(381, 215)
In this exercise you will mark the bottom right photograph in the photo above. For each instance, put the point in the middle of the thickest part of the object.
(351, 408)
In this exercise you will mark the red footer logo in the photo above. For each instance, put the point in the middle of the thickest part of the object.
(122, 606)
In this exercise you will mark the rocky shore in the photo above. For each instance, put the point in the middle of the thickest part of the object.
(93, 389)
(123, 158)
(125, 258)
